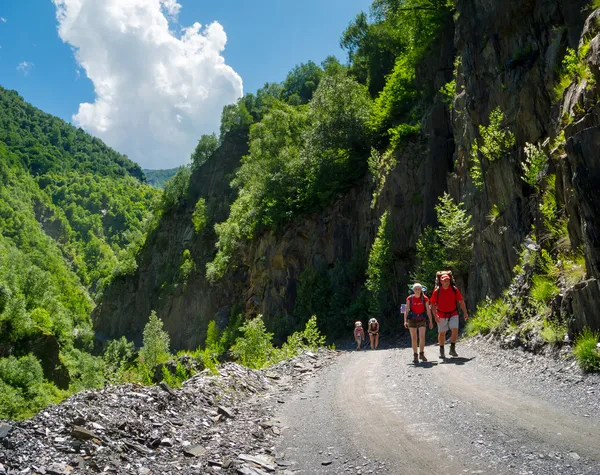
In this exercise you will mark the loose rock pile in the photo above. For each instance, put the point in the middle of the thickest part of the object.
(214, 424)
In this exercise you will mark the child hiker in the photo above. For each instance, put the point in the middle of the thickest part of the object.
(359, 334)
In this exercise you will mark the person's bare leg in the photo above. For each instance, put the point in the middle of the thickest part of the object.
(376, 340)
(454, 335)
(422, 339)
(413, 339)
(372, 340)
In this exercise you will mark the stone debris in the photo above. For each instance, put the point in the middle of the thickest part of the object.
(213, 424)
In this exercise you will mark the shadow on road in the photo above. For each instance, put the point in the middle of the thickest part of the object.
(458, 360)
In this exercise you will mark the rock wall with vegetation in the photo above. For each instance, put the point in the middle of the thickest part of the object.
(458, 135)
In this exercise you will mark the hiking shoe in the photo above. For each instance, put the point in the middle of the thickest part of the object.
(415, 358)
(442, 354)
(453, 350)
(422, 356)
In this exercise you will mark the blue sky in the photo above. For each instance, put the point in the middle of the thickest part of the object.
(265, 39)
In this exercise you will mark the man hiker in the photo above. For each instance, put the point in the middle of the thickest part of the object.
(444, 304)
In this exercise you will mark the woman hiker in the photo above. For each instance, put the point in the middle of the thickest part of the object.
(415, 319)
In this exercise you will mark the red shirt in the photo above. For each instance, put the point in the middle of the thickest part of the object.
(416, 304)
(446, 301)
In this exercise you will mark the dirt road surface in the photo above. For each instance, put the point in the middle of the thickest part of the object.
(375, 412)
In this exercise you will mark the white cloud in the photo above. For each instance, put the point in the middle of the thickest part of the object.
(25, 67)
(2, 19)
(156, 91)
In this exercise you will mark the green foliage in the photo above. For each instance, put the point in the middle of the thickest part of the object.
(401, 133)
(448, 92)
(155, 349)
(496, 141)
(158, 178)
(397, 97)
(176, 189)
(23, 390)
(85, 371)
(301, 83)
(255, 347)
(187, 265)
(448, 246)
(207, 146)
(534, 165)
(380, 268)
(118, 357)
(176, 379)
(476, 170)
(587, 352)
(380, 166)
(313, 294)
(299, 159)
(553, 332)
(488, 317)
(200, 216)
(397, 27)
(543, 290)
(494, 214)
(574, 68)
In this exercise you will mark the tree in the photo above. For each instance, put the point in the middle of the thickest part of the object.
(301, 82)
(155, 349)
(207, 146)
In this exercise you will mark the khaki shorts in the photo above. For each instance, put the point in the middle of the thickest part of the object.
(413, 323)
(446, 324)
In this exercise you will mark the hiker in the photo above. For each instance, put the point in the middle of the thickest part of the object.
(415, 319)
(444, 303)
(359, 334)
(374, 333)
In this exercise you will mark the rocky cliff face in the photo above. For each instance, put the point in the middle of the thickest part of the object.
(510, 52)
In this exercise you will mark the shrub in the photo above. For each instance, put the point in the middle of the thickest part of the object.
(488, 317)
(534, 165)
(187, 265)
(448, 92)
(574, 68)
(380, 166)
(496, 141)
(553, 332)
(254, 349)
(379, 269)
(586, 350)
(118, 356)
(156, 343)
(200, 216)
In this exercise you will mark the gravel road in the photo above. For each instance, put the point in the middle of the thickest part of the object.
(490, 411)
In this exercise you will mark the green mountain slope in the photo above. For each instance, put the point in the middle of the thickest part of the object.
(70, 208)
(158, 178)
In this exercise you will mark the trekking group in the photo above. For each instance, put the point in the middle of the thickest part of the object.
(442, 306)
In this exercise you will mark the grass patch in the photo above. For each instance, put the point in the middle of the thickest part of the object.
(586, 351)
(544, 289)
(488, 317)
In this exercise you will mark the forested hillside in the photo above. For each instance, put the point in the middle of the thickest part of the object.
(158, 178)
(71, 212)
